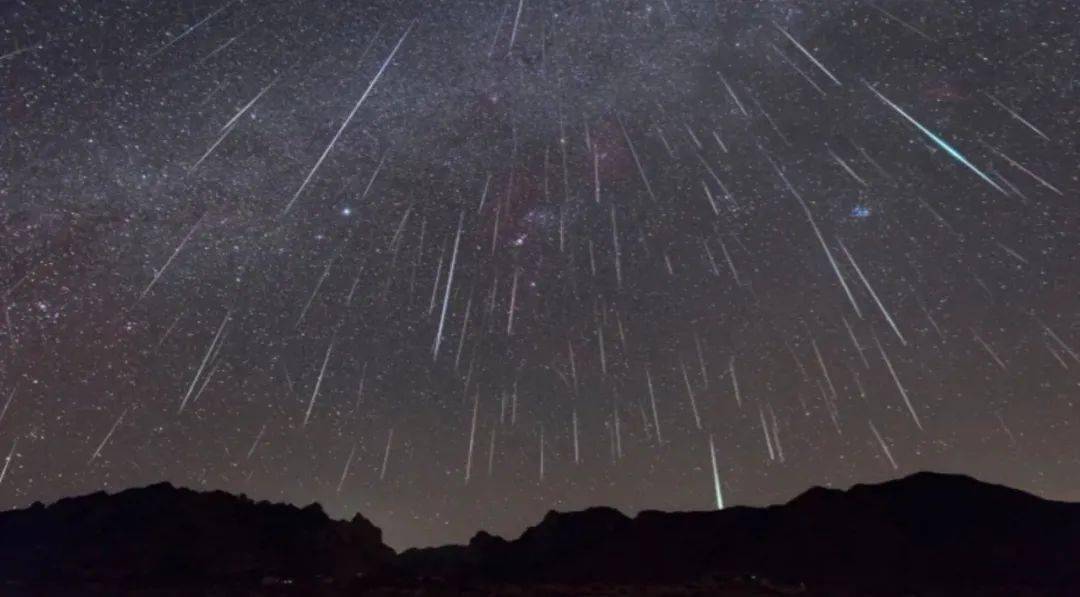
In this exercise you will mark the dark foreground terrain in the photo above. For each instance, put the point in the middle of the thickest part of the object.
(927, 534)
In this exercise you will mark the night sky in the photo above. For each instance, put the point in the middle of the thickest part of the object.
(835, 241)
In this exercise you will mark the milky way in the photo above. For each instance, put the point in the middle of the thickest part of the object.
(455, 264)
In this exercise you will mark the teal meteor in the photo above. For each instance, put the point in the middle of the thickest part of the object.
(938, 140)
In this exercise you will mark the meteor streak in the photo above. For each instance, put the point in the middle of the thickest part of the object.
(206, 359)
(896, 380)
(104, 441)
(449, 284)
(637, 160)
(1020, 167)
(817, 233)
(318, 382)
(186, 32)
(652, 401)
(715, 475)
(7, 461)
(1017, 116)
(807, 54)
(348, 119)
(884, 447)
(873, 294)
(936, 139)
(176, 251)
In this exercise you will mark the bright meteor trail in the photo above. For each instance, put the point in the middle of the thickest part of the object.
(937, 140)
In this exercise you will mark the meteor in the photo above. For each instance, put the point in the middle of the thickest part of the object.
(715, 475)
(318, 383)
(176, 251)
(735, 381)
(734, 97)
(807, 54)
(787, 60)
(989, 350)
(884, 447)
(345, 472)
(7, 461)
(817, 233)
(4, 410)
(847, 168)
(896, 380)
(577, 450)
(255, 444)
(1017, 116)
(186, 32)
(16, 52)
(907, 26)
(690, 393)
(472, 438)
(348, 119)
(615, 243)
(1020, 167)
(765, 430)
(873, 294)
(206, 359)
(211, 150)
(637, 160)
(652, 401)
(937, 140)
(103, 442)
(517, 20)
(449, 284)
(248, 105)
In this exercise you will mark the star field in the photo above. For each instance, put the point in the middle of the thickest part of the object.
(454, 264)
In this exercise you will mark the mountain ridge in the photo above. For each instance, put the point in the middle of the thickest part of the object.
(925, 531)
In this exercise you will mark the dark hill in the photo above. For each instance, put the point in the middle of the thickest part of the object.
(928, 534)
(162, 535)
(928, 531)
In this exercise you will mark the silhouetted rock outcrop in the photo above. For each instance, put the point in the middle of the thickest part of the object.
(925, 534)
(164, 535)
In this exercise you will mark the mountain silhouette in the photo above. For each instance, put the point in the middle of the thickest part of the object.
(927, 534)
(163, 536)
